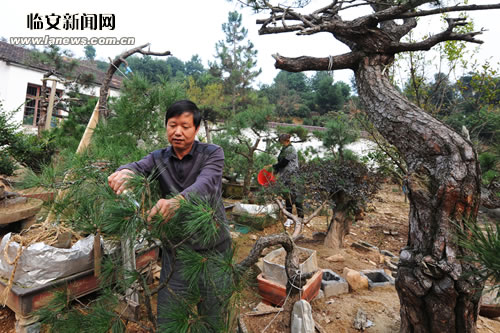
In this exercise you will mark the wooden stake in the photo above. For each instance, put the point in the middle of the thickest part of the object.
(97, 253)
(48, 119)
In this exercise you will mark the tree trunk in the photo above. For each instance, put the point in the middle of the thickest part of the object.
(248, 177)
(335, 236)
(435, 292)
(207, 131)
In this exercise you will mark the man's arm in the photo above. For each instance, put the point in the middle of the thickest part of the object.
(282, 163)
(145, 166)
(118, 179)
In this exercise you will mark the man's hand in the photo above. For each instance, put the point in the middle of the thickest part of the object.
(165, 207)
(118, 179)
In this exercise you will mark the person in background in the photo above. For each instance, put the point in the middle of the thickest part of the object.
(286, 168)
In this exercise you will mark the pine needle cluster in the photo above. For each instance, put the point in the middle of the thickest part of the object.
(483, 243)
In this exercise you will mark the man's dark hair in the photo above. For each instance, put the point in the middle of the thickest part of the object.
(182, 106)
(284, 137)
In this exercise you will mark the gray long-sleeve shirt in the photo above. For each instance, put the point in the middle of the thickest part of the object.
(200, 172)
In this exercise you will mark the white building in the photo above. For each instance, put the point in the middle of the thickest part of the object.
(21, 82)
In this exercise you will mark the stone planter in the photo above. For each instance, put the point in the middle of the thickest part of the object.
(377, 278)
(333, 284)
(273, 293)
(276, 272)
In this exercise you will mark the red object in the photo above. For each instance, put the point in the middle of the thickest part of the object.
(275, 293)
(265, 177)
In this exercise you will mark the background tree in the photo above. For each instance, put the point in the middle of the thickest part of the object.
(345, 186)
(90, 52)
(443, 173)
(340, 131)
(328, 96)
(194, 67)
(240, 140)
(236, 61)
(290, 92)
(210, 100)
(153, 69)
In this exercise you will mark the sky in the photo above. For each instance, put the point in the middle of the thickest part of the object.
(188, 27)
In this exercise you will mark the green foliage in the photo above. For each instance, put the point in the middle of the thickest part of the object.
(61, 61)
(90, 52)
(483, 243)
(159, 70)
(196, 219)
(298, 132)
(383, 163)
(7, 165)
(236, 61)
(329, 96)
(340, 131)
(69, 132)
(316, 121)
(240, 147)
(488, 161)
(29, 150)
(489, 176)
(63, 316)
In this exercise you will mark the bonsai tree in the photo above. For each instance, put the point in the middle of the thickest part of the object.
(345, 186)
(240, 140)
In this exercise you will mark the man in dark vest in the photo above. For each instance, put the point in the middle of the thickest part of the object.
(184, 168)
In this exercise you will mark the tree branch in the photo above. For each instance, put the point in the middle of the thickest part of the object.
(304, 63)
(113, 67)
(446, 35)
(441, 11)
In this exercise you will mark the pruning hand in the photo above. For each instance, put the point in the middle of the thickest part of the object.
(165, 207)
(117, 180)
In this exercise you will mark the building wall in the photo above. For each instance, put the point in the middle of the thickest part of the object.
(14, 80)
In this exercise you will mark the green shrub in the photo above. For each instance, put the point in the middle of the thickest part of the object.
(489, 176)
(32, 151)
(488, 161)
(7, 165)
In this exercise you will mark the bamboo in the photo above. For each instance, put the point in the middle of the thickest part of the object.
(48, 119)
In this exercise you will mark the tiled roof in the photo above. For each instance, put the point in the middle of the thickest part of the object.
(21, 55)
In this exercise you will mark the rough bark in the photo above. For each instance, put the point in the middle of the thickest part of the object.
(339, 227)
(435, 291)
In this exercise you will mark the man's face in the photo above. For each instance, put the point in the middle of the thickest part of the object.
(285, 142)
(181, 131)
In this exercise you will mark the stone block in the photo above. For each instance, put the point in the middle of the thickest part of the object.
(333, 284)
(377, 278)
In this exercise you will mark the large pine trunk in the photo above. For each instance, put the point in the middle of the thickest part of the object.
(436, 293)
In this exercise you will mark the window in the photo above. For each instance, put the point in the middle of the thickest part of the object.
(32, 105)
